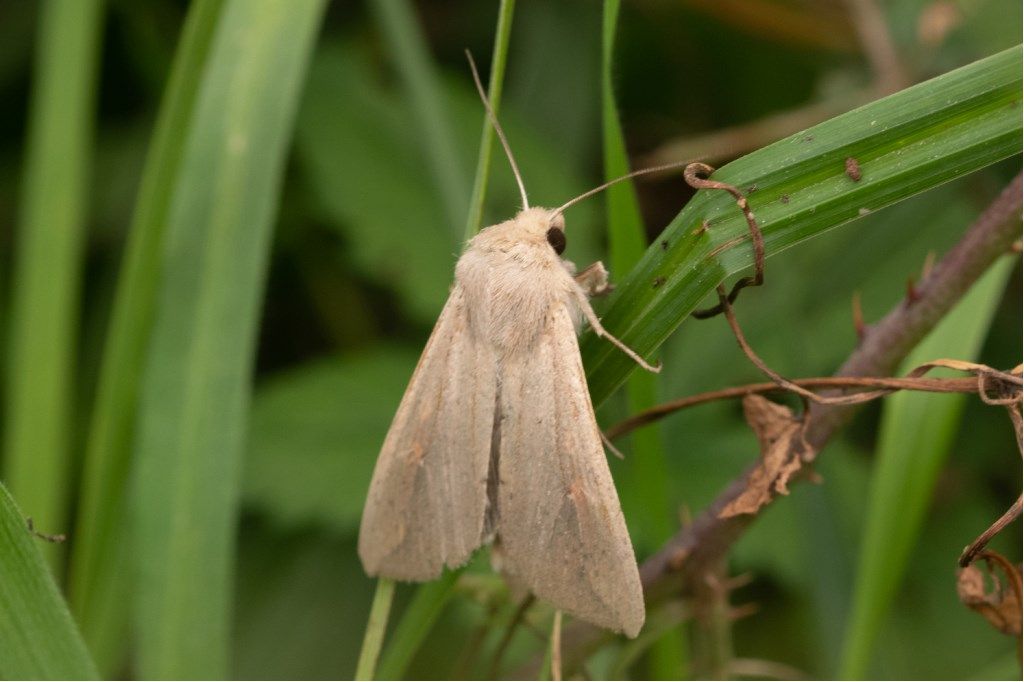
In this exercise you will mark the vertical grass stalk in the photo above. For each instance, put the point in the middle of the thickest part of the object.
(917, 431)
(48, 262)
(376, 626)
(494, 88)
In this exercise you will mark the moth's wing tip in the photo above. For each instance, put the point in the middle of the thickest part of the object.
(632, 627)
(404, 575)
(381, 564)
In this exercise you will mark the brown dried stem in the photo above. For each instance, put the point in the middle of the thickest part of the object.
(885, 344)
(703, 543)
(889, 384)
(712, 624)
(972, 550)
(697, 175)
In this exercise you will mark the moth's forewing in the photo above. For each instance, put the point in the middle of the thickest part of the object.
(428, 498)
(561, 527)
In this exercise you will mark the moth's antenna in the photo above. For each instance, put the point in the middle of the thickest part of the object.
(627, 176)
(497, 129)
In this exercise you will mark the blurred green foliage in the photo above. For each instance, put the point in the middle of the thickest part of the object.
(363, 248)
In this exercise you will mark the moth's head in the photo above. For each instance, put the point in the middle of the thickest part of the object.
(543, 224)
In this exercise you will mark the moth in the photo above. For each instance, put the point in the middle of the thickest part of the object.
(495, 439)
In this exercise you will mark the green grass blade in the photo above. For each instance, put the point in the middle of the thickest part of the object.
(38, 638)
(196, 384)
(917, 431)
(494, 88)
(98, 577)
(415, 624)
(626, 236)
(376, 626)
(906, 143)
(48, 262)
(408, 46)
(645, 494)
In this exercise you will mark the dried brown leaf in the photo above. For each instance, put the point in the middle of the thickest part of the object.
(1001, 606)
(783, 451)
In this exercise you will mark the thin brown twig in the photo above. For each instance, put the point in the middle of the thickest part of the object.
(858, 316)
(972, 550)
(697, 175)
(889, 384)
(1009, 569)
(699, 544)
(783, 382)
(1002, 397)
(886, 343)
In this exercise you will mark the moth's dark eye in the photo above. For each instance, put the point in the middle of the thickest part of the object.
(557, 240)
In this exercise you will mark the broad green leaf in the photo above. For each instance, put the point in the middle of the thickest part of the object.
(916, 434)
(359, 153)
(99, 571)
(906, 143)
(315, 433)
(196, 384)
(38, 638)
(40, 386)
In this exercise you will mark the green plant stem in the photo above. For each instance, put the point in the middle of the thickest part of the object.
(48, 261)
(376, 626)
(494, 88)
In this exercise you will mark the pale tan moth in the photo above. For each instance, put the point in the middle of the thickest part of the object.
(495, 439)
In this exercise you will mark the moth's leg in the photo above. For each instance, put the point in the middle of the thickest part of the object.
(594, 280)
(595, 324)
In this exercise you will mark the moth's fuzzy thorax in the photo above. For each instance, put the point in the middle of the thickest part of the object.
(512, 276)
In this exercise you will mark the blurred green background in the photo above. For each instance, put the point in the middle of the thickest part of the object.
(364, 238)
